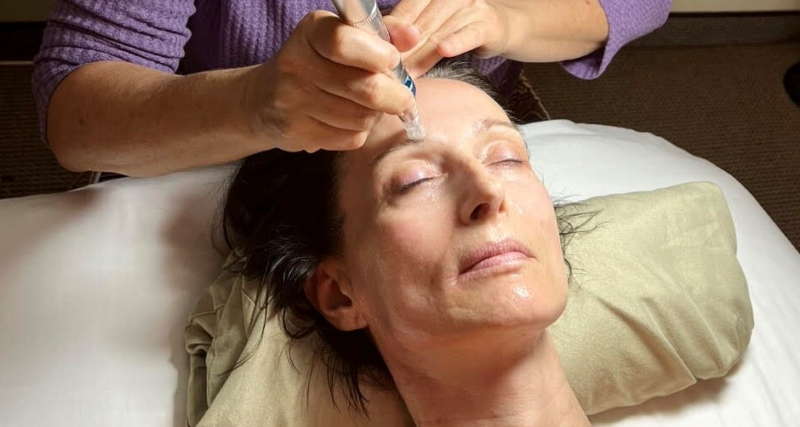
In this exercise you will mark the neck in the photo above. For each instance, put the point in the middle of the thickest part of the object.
(488, 383)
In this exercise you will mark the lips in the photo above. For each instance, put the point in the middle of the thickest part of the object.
(493, 254)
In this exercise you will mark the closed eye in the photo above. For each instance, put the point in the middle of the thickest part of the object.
(509, 162)
(401, 189)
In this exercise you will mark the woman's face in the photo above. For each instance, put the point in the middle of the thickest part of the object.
(454, 234)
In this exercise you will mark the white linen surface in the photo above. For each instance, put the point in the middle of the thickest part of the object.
(96, 285)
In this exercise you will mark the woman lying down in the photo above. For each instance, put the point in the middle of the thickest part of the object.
(431, 268)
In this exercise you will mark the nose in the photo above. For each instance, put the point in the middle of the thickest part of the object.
(483, 195)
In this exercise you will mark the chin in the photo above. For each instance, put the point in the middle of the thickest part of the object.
(510, 303)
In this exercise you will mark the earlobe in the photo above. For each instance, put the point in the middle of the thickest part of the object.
(327, 291)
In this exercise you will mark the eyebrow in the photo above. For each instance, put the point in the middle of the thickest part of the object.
(479, 126)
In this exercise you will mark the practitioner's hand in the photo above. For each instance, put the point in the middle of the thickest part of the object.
(429, 30)
(325, 88)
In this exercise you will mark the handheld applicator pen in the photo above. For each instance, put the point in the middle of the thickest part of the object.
(365, 14)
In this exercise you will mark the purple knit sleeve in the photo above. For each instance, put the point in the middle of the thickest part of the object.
(151, 33)
(627, 21)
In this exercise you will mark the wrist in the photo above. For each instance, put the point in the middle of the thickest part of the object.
(255, 124)
(550, 31)
(518, 25)
(257, 107)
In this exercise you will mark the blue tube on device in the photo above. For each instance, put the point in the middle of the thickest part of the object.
(365, 14)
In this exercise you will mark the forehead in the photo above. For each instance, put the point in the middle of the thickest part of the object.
(448, 109)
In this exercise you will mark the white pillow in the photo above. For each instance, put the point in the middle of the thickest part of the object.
(96, 286)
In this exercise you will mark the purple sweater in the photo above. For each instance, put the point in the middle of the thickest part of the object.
(197, 35)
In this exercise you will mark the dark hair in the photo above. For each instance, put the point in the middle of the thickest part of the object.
(282, 218)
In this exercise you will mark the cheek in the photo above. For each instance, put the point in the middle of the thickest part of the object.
(531, 200)
(549, 288)
(536, 207)
(398, 263)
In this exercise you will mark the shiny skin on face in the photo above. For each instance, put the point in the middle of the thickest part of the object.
(453, 234)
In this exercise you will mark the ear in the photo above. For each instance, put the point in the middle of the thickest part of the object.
(329, 290)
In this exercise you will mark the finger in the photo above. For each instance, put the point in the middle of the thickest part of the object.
(317, 135)
(404, 36)
(470, 37)
(427, 54)
(446, 21)
(341, 113)
(376, 91)
(422, 60)
(329, 37)
(434, 17)
(481, 37)
(327, 137)
(409, 10)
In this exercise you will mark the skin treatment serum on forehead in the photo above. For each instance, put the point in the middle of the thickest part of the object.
(365, 14)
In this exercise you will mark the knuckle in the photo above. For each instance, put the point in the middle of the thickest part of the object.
(306, 23)
(371, 89)
(308, 19)
(437, 37)
(321, 33)
(286, 101)
(312, 20)
(294, 128)
(402, 12)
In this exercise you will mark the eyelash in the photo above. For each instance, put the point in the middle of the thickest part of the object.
(511, 160)
(407, 187)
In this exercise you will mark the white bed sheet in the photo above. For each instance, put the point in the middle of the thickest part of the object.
(582, 161)
(96, 285)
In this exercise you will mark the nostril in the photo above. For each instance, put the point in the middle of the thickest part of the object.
(479, 211)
